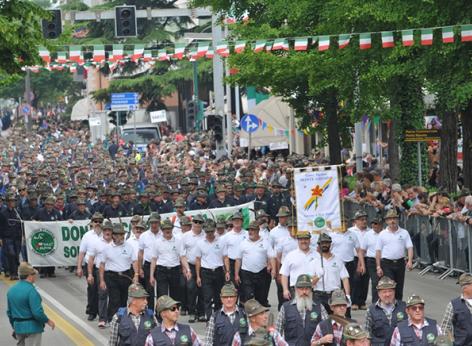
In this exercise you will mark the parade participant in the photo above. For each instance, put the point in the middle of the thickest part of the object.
(11, 235)
(146, 244)
(143, 207)
(209, 269)
(24, 308)
(179, 207)
(457, 319)
(226, 321)
(417, 329)
(344, 246)
(232, 240)
(360, 281)
(115, 209)
(355, 335)
(303, 260)
(167, 263)
(189, 246)
(255, 266)
(86, 243)
(330, 331)
(329, 273)
(115, 269)
(383, 316)
(221, 201)
(220, 226)
(81, 213)
(263, 219)
(262, 199)
(280, 231)
(93, 277)
(170, 332)
(131, 325)
(258, 317)
(298, 318)
(137, 229)
(390, 252)
(368, 247)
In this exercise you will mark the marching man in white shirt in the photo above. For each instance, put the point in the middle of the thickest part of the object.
(255, 266)
(210, 270)
(232, 240)
(368, 246)
(166, 263)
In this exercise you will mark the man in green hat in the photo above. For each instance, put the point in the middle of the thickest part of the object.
(298, 318)
(390, 252)
(231, 241)
(355, 335)
(11, 230)
(457, 318)
(221, 201)
(170, 332)
(417, 329)
(383, 316)
(114, 272)
(228, 320)
(131, 325)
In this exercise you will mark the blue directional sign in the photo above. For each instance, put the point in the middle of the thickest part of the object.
(249, 123)
(124, 101)
(26, 109)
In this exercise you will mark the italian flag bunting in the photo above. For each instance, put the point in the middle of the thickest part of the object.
(99, 53)
(466, 33)
(210, 54)
(239, 46)
(73, 68)
(268, 46)
(426, 37)
(179, 51)
(222, 49)
(117, 53)
(343, 40)
(147, 56)
(280, 44)
(447, 34)
(323, 43)
(61, 58)
(75, 54)
(407, 38)
(301, 43)
(162, 55)
(138, 52)
(202, 49)
(259, 45)
(387, 39)
(365, 41)
(193, 54)
(44, 54)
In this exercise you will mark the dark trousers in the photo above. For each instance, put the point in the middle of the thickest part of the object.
(359, 287)
(371, 268)
(254, 285)
(212, 281)
(323, 298)
(147, 284)
(12, 248)
(3, 257)
(168, 281)
(194, 295)
(280, 293)
(102, 297)
(395, 269)
(351, 267)
(92, 293)
(117, 286)
(183, 291)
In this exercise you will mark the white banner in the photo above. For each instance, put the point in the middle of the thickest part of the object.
(57, 243)
(317, 196)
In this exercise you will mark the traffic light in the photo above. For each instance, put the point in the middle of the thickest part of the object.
(113, 117)
(125, 21)
(118, 118)
(52, 28)
(191, 110)
(215, 123)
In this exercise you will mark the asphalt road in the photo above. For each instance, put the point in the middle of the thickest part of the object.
(64, 300)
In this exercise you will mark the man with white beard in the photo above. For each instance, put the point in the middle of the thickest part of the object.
(299, 317)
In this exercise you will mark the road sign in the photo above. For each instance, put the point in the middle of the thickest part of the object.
(425, 135)
(124, 101)
(158, 116)
(26, 109)
(249, 123)
(95, 121)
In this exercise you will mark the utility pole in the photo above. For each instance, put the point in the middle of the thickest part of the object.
(28, 117)
(229, 117)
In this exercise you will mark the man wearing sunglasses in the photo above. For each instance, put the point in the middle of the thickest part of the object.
(170, 332)
(417, 329)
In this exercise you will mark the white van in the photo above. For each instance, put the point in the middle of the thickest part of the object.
(141, 135)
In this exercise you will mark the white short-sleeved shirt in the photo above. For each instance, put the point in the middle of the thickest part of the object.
(286, 245)
(189, 245)
(392, 245)
(344, 245)
(134, 242)
(264, 233)
(369, 243)
(255, 254)
(210, 253)
(231, 242)
(332, 271)
(87, 242)
(118, 258)
(167, 252)
(146, 243)
(360, 235)
(96, 250)
(277, 233)
(298, 262)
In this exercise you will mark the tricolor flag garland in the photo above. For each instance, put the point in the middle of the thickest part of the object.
(75, 55)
